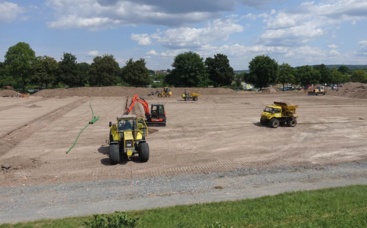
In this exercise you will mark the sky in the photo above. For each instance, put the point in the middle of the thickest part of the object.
(297, 32)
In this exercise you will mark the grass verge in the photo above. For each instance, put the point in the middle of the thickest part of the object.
(336, 207)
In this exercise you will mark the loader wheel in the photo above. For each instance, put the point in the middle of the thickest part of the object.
(195, 98)
(292, 122)
(274, 123)
(114, 154)
(143, 149)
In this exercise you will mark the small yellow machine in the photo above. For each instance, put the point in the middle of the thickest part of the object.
(127, 138)
(316, 90)
(165, 93)
(190, 96)
(279, 113)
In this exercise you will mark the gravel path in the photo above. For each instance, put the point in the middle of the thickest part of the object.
(77, 199)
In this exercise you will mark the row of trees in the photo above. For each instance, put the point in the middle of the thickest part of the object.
(22, 68)
(264, 71)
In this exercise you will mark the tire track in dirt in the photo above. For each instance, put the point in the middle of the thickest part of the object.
(21, 104)
(10, 139)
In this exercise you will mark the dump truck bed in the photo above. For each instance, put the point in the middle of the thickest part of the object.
(285, 106)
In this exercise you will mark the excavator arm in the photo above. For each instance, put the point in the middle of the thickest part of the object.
(140, 100)
(158, 118)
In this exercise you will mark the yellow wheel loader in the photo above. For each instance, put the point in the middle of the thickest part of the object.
(165, 93)
(127, 139)
(316, 90)
(279, 113)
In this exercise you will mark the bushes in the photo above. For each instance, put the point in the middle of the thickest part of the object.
(114, 220)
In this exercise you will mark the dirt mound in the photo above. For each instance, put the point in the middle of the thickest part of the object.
(115, 91)
(351, 89)
(269, 90)
(9, 93)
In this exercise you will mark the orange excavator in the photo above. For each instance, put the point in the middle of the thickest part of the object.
(157, 116)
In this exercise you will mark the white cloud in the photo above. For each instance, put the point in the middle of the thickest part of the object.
(142, 39)
(9, 11)
(363, 48)
(152, 52)
(186, 37)
(333, 46)
(93, 53)
(310, 21)
(94, 14)
(363, 43)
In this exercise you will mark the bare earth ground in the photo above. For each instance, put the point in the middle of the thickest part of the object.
(213, 149)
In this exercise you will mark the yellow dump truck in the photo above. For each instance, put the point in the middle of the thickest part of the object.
(279, 113)
(190, 96)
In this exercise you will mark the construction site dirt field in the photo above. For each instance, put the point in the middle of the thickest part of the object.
(208, 148)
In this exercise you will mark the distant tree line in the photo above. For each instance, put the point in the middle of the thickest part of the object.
(23, 69)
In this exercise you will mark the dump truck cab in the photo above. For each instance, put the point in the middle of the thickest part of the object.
(279, 113)
(127, 138)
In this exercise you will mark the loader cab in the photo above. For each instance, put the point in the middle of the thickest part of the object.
(157, 111)
(124, 125)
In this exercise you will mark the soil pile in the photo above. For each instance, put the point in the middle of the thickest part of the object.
(116, 91)
(351, 89)
(269, 90)
(9, 93)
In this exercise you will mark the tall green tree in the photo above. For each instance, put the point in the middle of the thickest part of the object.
(104, 71)
(263, 71)
(189, 71)
(307, 75)
(68, 70)
(135, 73)
(337, 77)
(45, 71)
(359, 76)
(325, 74)
(344, 69)
(219, 70)
(19, 60)
(82, 74)
(5, 79)
(286, 74)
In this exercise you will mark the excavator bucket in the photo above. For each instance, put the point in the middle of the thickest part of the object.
(156, 123)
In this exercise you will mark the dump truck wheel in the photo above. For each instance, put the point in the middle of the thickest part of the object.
(262, 121)
(292, 122)
(114, 154)
(143, 152)
(274, 123)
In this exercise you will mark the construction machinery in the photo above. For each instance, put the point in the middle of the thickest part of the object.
(190, 96)
(155, 117)
(316, 90)
(279, 113)
(127, 138)
(166, 92)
